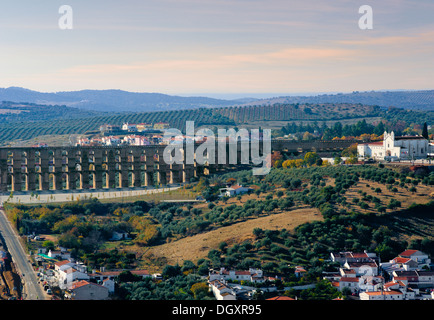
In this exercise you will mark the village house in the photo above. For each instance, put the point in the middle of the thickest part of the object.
(417, 278)
(136, 140)
(67, 272)
(343, 257)
(130, 127)
(407, 260)
(111, 141)
(59, 254)
(359, 273)
(221, 290)
(85, 290)
(422, 259)
(109, 284)
(362, 268)
(251, 275)
(382, 295)
(299, 271)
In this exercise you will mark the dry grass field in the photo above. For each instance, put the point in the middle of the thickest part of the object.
(421, 196)
(198, 246)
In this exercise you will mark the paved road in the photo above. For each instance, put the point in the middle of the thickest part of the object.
(65, 196)
(32, 290)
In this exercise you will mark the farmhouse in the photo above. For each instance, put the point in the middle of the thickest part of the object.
(234, 191)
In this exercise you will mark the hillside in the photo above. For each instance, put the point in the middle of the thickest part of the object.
(199, 245)
(304, 111)
(124, 101)
(421, 100)
(230, 116)
(111, 100)
(18, 112)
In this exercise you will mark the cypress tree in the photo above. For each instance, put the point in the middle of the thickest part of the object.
(425, 131)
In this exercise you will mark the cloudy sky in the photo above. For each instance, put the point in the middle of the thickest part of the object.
(217, 47)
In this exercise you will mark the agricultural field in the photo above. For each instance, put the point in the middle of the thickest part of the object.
(292, 216)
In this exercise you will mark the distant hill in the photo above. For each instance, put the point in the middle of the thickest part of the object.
(229, 116)
(124, 101)
(21, 112)
(421, 100)
(113, 100)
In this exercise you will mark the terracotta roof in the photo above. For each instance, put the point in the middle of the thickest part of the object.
(82, 283)
(349, 279)
(378, 293)
(359, 255)
(79, 284)
(349, 271)
(61, 263)
(281, 298)
(390, 284)
(407, 253)
(361, 264)
(401, 260)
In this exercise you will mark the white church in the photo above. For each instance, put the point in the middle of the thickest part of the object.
(392, 147)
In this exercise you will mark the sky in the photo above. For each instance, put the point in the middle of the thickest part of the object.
(221, 47)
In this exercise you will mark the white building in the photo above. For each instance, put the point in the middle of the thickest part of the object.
(362, 268)
(111, 141)
(234, 190)
(407, 260)
(67, 272)
(392, 147)
(129, 127)
(382, 295)
(252, 275)
(109, 284)
(221, 290)
(84, 290)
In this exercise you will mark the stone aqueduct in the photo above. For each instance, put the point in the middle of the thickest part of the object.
(78, 168)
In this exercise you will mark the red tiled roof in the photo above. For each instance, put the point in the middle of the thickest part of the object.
(140, 272)
(360, 255)
(377, 293)
(281, 298)
(407, 253)
(79, 284)
(83, 283)
(401, 260)
(61, 263)
(349, 279)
